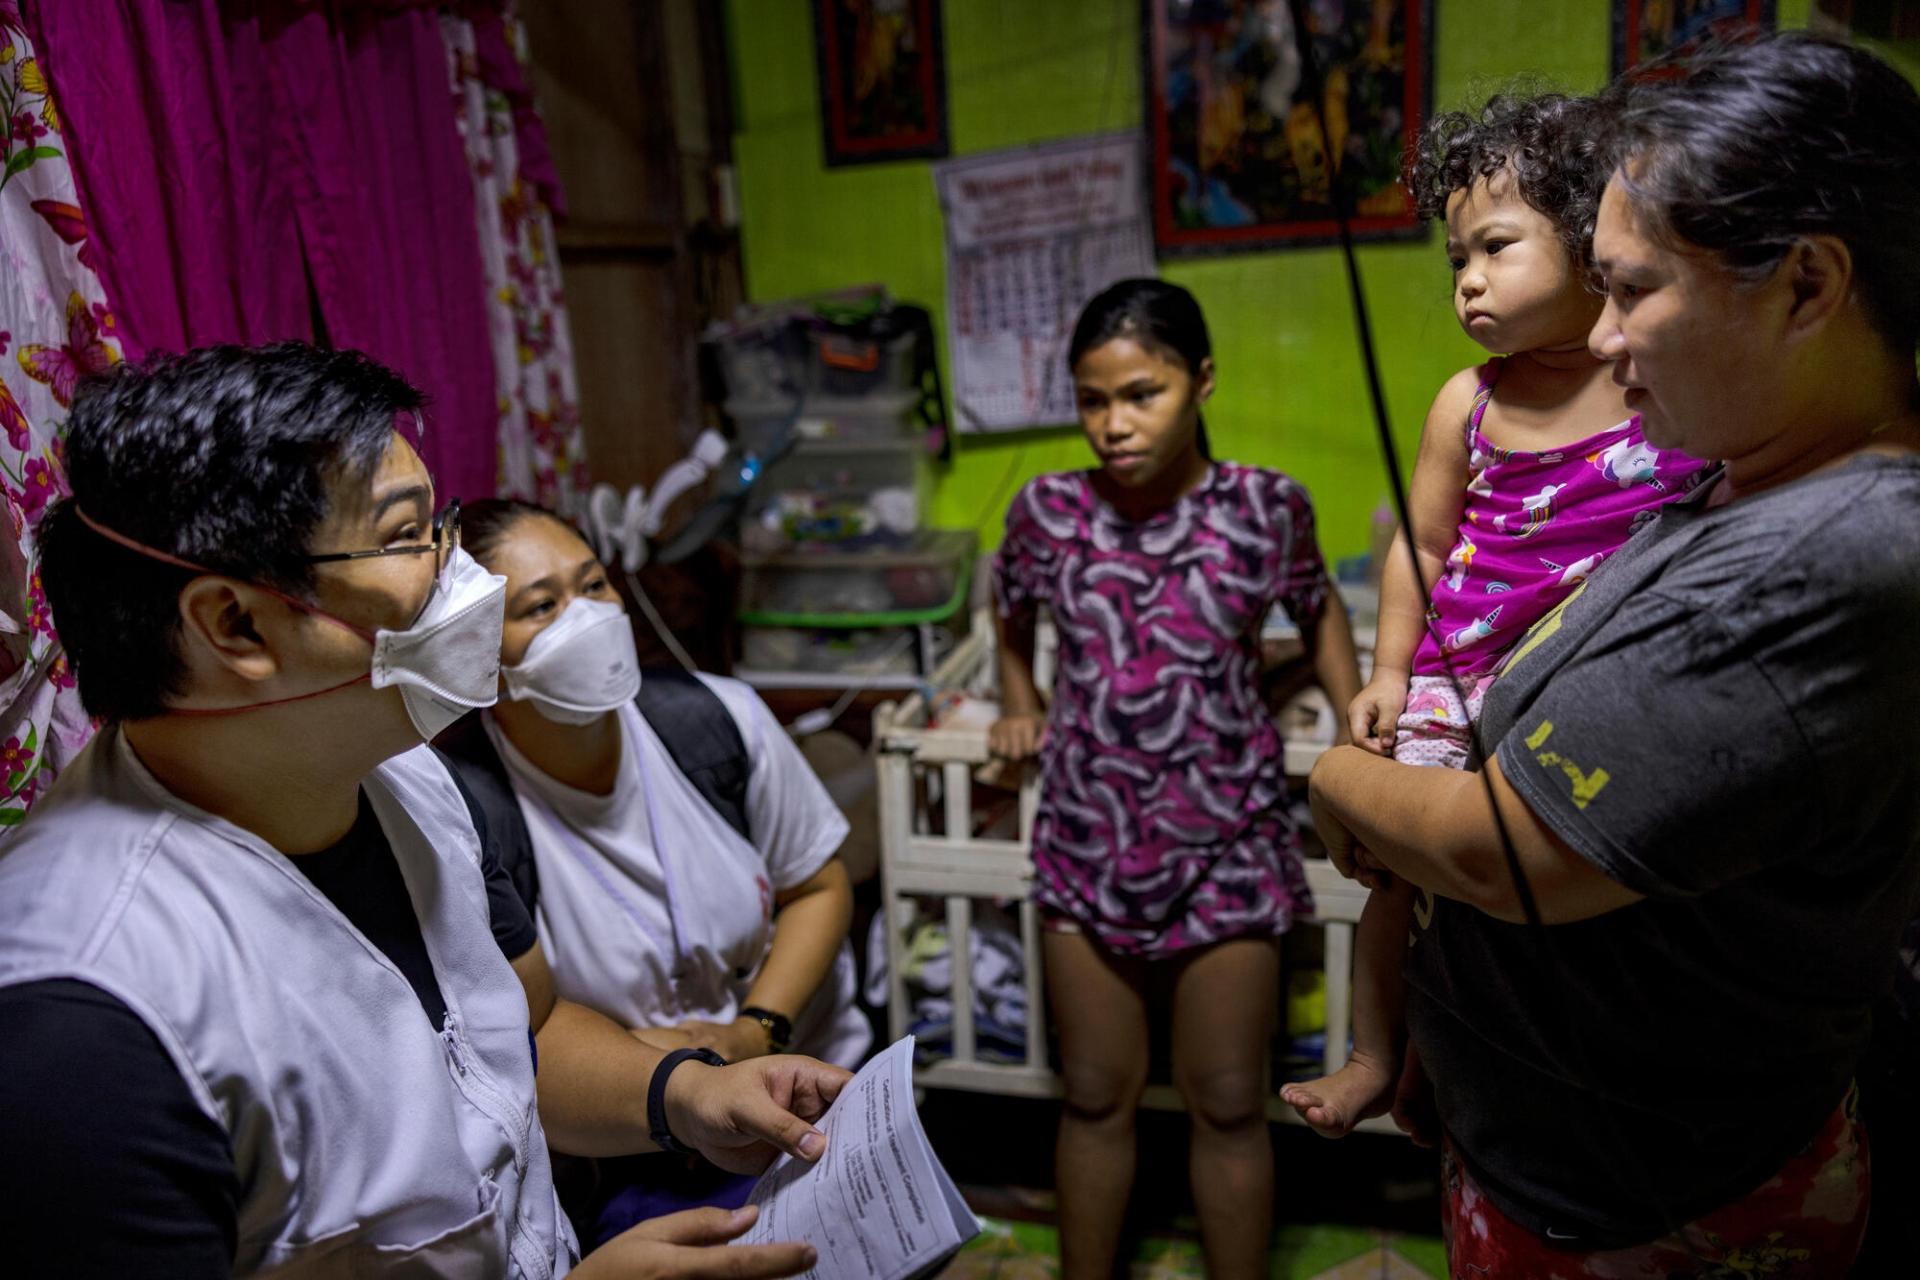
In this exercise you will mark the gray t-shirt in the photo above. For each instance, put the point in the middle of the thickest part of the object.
(1722, 720)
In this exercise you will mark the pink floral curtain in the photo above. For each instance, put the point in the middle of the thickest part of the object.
(278, 171)
(283, 170)
(516, 192)
(54, 328)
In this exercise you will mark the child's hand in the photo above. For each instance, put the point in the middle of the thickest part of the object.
(1017, 737)
(1373, 716)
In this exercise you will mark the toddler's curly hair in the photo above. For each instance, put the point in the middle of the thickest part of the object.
(1548, 142)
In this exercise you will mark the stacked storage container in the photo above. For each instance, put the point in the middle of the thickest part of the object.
(843, 585)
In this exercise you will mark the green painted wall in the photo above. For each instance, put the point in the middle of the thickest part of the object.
(1291, 392)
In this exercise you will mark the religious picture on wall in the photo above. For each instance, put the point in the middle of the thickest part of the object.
(883, 80)
(1240, 156)
(1645, 29)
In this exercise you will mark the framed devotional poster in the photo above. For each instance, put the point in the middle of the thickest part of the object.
(1239, 158)
(883, 80)
(1646, 29)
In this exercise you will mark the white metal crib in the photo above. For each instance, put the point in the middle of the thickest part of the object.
(922, 768)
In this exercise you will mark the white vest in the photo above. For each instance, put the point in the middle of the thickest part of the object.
(364, 1142)
(665, 913)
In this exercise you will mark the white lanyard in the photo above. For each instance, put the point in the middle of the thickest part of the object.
(590, 861)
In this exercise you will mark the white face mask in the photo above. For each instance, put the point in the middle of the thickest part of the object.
(448, 662)
(581, 667)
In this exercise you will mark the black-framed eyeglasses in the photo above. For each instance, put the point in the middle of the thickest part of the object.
(444, 540)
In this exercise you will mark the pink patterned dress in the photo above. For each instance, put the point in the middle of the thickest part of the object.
(1162, 825)
(1535, 526)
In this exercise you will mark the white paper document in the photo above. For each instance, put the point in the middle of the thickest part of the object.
(877, 1206)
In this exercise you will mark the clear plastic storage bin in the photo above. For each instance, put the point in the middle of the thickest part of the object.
(854, 493)
(923, 581)
(873, 657)
(767, 359)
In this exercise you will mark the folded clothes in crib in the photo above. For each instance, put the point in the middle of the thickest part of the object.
(992, 1041)
(999, 983)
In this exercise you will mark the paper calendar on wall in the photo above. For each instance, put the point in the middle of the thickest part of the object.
(1031, 235)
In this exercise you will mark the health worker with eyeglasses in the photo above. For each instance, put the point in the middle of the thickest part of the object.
(267, 1002)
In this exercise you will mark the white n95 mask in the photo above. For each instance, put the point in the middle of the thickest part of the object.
(448, 662)
(581, 667)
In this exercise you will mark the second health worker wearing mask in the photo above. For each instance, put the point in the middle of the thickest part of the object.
(677, 853)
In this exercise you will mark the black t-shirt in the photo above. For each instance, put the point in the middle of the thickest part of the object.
(1718, 722)
(111, 1167)
(360, 876)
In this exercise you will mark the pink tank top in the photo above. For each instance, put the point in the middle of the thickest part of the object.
(1535, 525)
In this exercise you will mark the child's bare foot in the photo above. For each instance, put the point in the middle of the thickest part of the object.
(1334, 1104)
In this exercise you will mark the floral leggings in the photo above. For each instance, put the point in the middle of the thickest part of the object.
(1437, 726)
(1805, 1223)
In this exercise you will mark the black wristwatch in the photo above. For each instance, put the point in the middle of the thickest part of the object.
(779, 1026)
(657, 1097)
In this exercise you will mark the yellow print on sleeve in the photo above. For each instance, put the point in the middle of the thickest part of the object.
(1586, 785)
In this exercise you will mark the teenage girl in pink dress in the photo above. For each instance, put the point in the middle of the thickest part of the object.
(1162, 847)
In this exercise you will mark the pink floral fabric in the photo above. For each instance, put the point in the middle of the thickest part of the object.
(1436, 727)
(1804, 1223)
(542, 450)
(267, 171)
(55, 328)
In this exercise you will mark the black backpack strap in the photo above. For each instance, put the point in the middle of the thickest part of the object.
(702, 737)
(481, 776)
(693, 724)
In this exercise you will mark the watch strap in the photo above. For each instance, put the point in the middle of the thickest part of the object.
(779, 1026)
(657, 1097)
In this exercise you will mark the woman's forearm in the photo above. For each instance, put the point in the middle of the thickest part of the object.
(1336, 665)
(1416, 822)
(808, 928)
(1019, 694)
(1447, 830)
(592, 1083)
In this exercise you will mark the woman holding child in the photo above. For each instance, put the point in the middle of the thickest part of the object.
(1695, 760)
